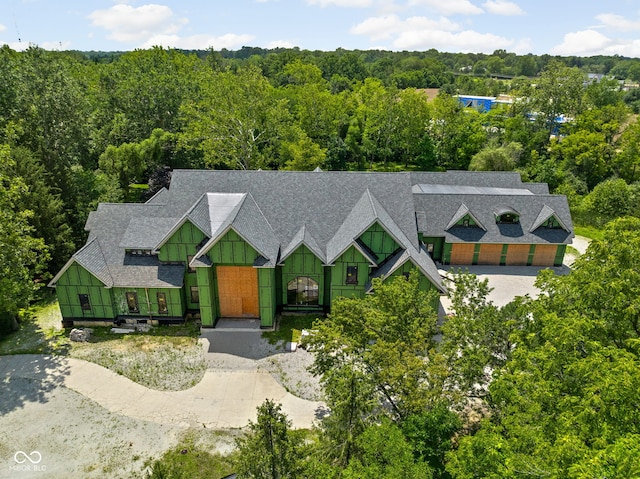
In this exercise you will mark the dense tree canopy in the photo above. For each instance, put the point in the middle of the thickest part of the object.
(85, 127)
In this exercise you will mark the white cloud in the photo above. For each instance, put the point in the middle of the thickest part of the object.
(422, 33)
(585, 42)
(503, 7)
(341, 3)
(465, 41)
(591, 42)
(137, 24)
(199, 42)
(449, 7)
(280, 44)
(618, 23)
(377, 28)
(2, 27)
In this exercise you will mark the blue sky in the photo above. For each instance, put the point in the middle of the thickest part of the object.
(557, 27)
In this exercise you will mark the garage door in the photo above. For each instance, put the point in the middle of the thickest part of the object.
(545, 255)
(462, 253)
(518, 254)
(490, 254)
(238, 291)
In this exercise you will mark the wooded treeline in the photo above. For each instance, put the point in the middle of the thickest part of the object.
(80, 128)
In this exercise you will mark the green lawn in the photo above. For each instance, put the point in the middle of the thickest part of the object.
(191, 459)
(589, 232)
(290, 327)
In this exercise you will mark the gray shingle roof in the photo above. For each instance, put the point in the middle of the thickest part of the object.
(461, 213)
(146, 233)
(367, 211)
(241, 213)
(277, 211)
(103, 256)
(435, 213)
(419, 258)
(303, 237)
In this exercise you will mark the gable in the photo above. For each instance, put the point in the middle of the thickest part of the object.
(182, 243)
(231, 248)
(76, 275)
(379, 242)
(302, 261)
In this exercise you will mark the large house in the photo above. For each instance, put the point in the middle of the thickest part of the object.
(238, 244)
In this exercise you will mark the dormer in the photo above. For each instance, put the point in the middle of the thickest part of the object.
(465, 218)
(507, 215)
(549, 219)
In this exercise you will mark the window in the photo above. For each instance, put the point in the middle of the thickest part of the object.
(132, 302)
(162, 303)
(195, 295)
(352, 275)
(508, 218)
(139, 252)
(85, 305)
(302, 290)
(189, 268)
(465, 222)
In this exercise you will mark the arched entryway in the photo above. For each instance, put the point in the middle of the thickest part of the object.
(303, 291)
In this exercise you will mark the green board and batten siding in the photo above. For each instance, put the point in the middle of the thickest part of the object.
(379, 241)
(339, 286)
(178, 248)
(76, 281)
(267, 296)
(206, 290)
(302, 262)
(148, 302)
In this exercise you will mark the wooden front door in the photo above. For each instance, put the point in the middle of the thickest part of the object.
(238, 291)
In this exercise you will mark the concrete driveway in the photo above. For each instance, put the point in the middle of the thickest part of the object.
(222, 399)
(511, 281)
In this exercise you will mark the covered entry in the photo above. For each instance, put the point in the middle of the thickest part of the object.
(238, 291)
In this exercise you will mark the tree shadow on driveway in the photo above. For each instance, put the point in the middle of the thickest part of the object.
(29, 378)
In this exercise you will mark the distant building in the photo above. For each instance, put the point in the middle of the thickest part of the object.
(483, 103)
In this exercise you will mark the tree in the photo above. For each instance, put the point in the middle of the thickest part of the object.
(431, 435)
(456, 133)
(559, 91)
(385, 453)
(627, 158)
(584, 153)
(501, 158)
(303, 154)
(609, 200)
(270, 449)
(387, 339)
(47, 216)
(567, 395)
(22, 257)
(238, 122)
